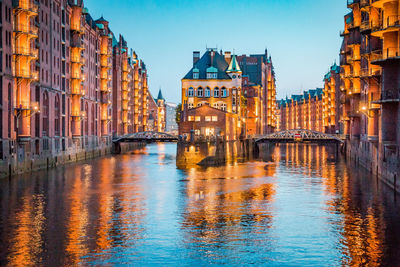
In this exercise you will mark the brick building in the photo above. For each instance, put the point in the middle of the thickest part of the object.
(57, 84)
(303, 111)
(369, 58)
(238, 92)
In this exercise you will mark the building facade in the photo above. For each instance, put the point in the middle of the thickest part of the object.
(57, 85)
(219, 98)
(305, 111)
(157, 113)
(370, 64)
(170, 119)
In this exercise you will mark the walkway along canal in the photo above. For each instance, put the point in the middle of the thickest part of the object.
(295, 205)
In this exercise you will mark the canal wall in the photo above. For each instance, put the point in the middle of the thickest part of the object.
(380, 160)
(26, 161)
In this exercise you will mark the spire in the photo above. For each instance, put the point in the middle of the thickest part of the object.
(160, 96)
(234, 66)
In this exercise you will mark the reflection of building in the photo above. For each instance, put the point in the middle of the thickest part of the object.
(214, 95)
(66, 86)
(369, 58)
(302, 111)
(170, 119)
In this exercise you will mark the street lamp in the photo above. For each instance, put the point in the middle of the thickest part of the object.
(364, 110)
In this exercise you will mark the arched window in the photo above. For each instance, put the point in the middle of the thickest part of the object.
(207, 92)
(57, 116)
(45, 114)
(191, 92)
(223, 92)
(200, 92)
(216, 92)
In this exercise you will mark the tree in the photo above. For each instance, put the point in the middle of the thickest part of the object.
(178, 110)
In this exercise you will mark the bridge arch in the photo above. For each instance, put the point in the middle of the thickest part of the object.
(147, 136)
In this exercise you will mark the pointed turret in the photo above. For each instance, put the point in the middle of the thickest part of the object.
(234, 66)
(160, 96)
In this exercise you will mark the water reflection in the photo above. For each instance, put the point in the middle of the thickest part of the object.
(295, 205)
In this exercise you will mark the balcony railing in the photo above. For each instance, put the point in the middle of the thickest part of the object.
(387, 53)
(26, 5)
(390, 96)
(389, 21)
(26, 51)
(368, 72)
(26, 29)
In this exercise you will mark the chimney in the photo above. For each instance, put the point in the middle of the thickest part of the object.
(228, 57)
(212, 54)
(196, 57)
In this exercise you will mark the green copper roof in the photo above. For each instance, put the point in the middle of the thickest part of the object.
(100, 26)
(196, 70)
(85, 10)
(212, 69)
(234, 66)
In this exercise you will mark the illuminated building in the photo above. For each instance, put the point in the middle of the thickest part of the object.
(303, 111)
(370, 79)
(57, 85)
(331, 101)
(215, 91)
(157, 113)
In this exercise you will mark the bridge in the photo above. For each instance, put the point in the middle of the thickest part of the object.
(301, 135)
(148, 136)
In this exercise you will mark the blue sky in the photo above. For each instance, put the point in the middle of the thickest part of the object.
(301, 35)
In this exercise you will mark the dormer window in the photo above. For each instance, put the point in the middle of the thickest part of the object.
(196, 73)
(212, 73)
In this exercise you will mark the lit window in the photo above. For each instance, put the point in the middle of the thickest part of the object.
(197, 132)
(208, 118)
(198, 118)
(191, 118)
(190, 106)
(223, 107)
(214, 118)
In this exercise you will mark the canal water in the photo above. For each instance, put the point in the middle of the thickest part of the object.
(299, 205)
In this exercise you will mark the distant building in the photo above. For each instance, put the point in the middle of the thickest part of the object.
(170, 120)
(157, 113)
(303, 111)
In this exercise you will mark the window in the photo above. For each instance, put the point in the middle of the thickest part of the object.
(191, 118)
(207, 92)
(190, 106)
(223, 92)
(45, 114)
(212, 75)
(191, 92)
(207, 118)
(198, 118)
(57, 116)
(214, 118)
(223, 106)
(216, 92)
(195, 75)
(200, 92)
